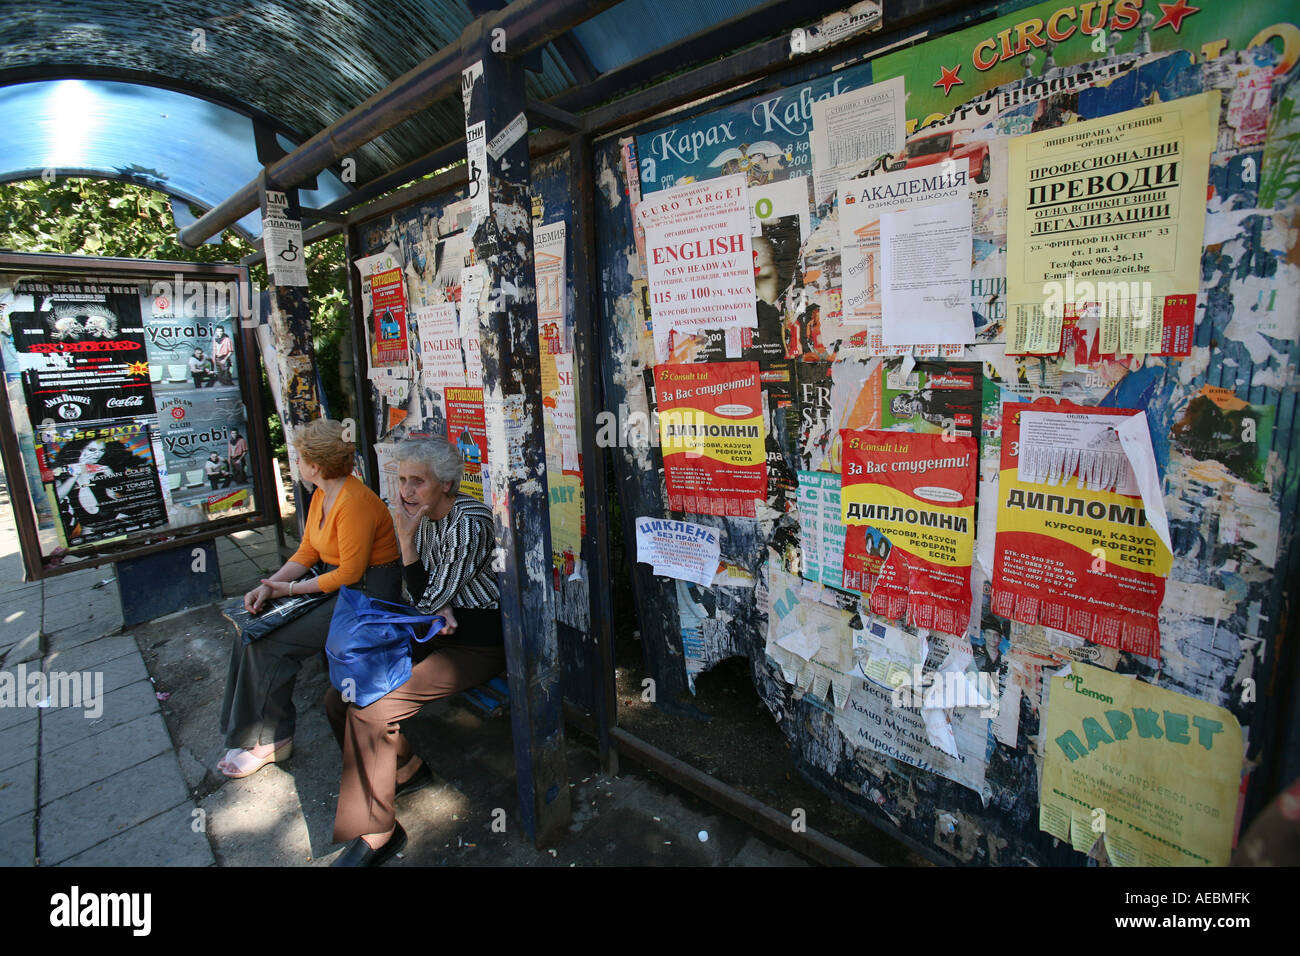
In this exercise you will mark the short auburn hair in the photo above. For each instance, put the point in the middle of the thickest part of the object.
(321, 443)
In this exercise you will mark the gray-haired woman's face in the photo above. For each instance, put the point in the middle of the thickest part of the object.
(420, 488)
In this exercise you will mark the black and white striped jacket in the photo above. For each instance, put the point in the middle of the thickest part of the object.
(456, 551)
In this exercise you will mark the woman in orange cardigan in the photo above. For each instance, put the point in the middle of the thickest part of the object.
(351, 531)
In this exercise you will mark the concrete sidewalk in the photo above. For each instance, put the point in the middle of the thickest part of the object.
(91, 785)
(135, 784)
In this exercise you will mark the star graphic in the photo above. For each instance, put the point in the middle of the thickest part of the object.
(138, 368)
(949, 77)
(1173, 13)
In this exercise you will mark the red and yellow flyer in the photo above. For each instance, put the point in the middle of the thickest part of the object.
(1074, 549)
(919, 491)
(712, 437)
(388, 301)
(467, 430)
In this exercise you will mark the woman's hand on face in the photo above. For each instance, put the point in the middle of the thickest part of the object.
(405, 524)
(256, 599)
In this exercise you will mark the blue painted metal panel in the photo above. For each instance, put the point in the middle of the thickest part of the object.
(167, 582)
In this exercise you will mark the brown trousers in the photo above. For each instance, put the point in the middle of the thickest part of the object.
(371, 738)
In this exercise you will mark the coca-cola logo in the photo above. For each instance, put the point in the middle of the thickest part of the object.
(128, 401)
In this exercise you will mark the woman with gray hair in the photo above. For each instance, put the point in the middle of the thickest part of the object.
(447, 541)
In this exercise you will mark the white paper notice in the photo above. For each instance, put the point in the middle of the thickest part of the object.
(503, 140)
(679, 549)
(1135, 439)
(476, 155)
(801, 644)
(472, 281)
(925, 275)
(862, 203)
(548, 266)
(565, 412)
(853, 130)
(282, 242)
(1058, 446)
(385, 458)
(699, 258)
(441, 362)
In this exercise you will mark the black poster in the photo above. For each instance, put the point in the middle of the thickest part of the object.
(102, 479)
(82, 353)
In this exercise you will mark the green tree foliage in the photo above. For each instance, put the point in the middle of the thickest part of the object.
(96, 217)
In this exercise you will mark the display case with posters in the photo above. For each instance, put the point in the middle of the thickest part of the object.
(132, 421)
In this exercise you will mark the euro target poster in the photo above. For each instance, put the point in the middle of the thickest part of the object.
(712, 437)
(1074, 549)
(919, 491)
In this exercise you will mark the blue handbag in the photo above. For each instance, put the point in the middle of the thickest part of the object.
(369, 645)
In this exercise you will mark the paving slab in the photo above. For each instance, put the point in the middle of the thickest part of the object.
(103, 609)
(85, 817)
(168, 839)
(82, 632)
(63, 725)
(18, 790)
(13, 716)
(120, 671)
(18, 743)
(62, 584)
(91, 759)
(20, 615)
(89, 655)
(18, 841)
(27, 649)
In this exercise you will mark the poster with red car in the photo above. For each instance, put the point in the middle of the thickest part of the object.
(467, 430)
(388, 301)
(919, 491)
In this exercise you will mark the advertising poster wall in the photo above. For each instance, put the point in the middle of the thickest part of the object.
(712, 437)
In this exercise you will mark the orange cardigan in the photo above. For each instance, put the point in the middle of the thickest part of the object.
(358, 534)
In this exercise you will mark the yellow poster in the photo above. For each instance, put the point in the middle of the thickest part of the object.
(566, 512)
(1109, 214)
(1151, 772)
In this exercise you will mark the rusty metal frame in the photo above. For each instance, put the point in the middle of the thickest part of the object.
(155, 540)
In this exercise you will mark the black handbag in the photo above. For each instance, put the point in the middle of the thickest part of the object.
(276, 614)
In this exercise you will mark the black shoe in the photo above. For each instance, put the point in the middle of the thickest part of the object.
(359, 853)
(419, 780)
